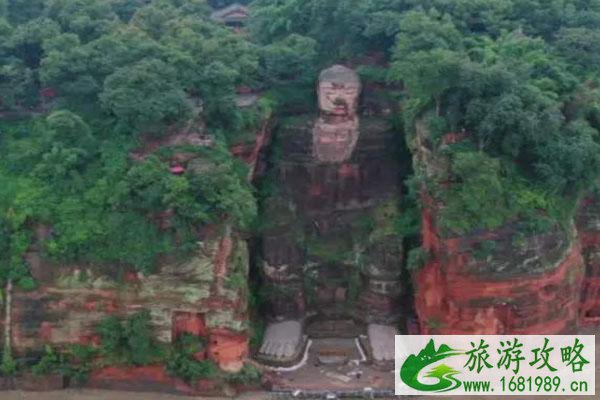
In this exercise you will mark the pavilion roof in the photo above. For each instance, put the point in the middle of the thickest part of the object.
(232, 13)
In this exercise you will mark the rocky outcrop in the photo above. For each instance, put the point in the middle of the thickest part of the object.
(196, 296)
(588, 224)
(154, 378)
(498, 281)
(455, 294)
(205, 295)
(254, 152)
(193, 135)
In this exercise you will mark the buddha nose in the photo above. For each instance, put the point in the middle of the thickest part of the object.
(339, 101)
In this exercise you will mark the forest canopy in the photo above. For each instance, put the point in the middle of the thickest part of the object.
(84, 82)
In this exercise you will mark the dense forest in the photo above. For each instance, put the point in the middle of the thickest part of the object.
(90, 90)
(84, 82)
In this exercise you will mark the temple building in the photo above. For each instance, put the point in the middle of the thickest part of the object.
(234, 16)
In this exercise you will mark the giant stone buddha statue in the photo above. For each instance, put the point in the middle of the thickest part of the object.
(331, 264)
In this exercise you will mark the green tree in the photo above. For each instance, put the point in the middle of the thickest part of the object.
(21, 11)
(154, 18)
(17, 86)
(126, 8)
(88, 19)
(26, 41)
(68, 145)
(294, 58)
(581, 47)
(66, 67)
(145, 96)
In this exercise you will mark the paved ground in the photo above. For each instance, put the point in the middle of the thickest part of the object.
(350, 375)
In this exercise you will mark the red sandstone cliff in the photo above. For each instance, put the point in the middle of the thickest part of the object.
(527, 286)
(194, 296)
(452, 298)
(588, 224)
(191, 296)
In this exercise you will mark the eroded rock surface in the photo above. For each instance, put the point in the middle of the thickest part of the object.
(494, 281)
(588, 224)
(191, 296)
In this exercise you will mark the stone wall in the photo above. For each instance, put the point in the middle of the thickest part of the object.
(195, 296)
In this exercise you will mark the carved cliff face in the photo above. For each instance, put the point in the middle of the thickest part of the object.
(333, 142)
(336, 131)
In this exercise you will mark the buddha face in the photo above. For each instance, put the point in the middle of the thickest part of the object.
(340, 99)
(334, 139)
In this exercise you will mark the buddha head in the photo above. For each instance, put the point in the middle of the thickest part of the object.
(339, 88)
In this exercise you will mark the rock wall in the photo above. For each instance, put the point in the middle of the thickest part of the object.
(254, 152)
(197, 296)
(453, 296)
(588, 223)
(204, 295)
(498, 281)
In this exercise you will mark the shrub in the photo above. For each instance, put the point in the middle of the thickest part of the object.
(51, 362)
(188, 369)
(8, 367)
(181, 361)
(130, 340)
(74, 363)
(257, 329)
(111, 334)
(417, 258)
(487, 193)
(248, 375)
